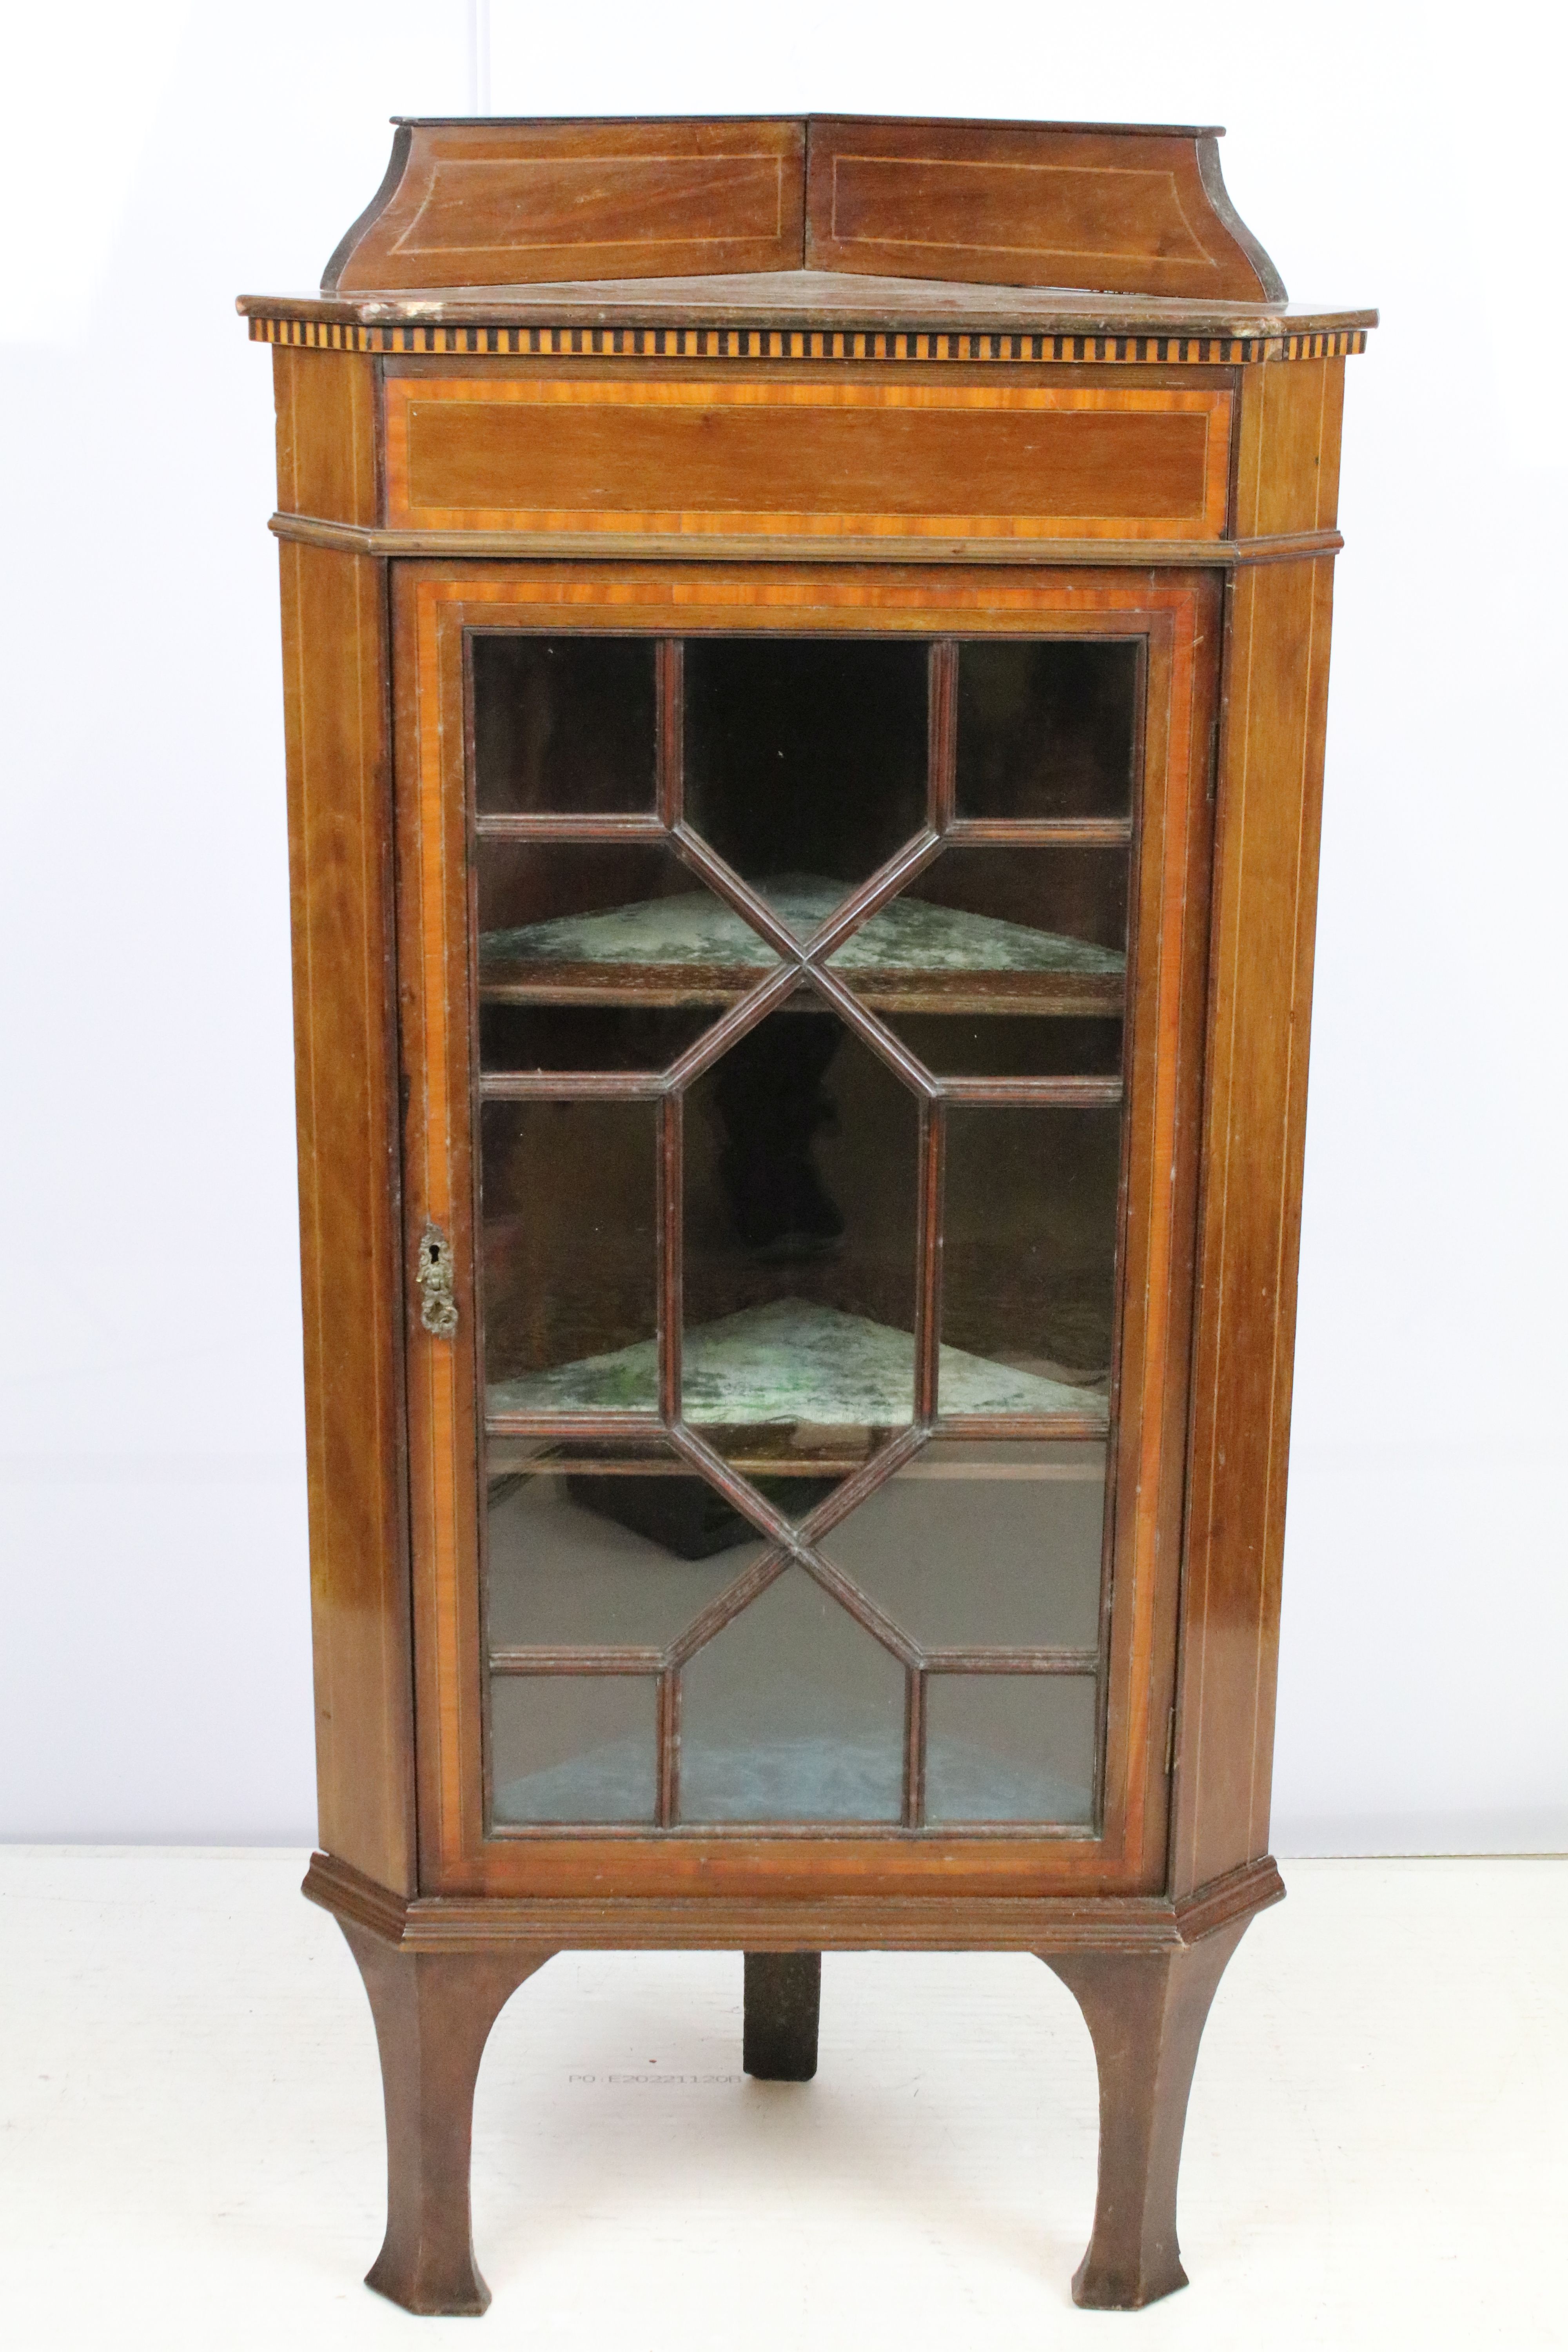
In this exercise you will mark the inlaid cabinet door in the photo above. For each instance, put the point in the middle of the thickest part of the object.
(801, 981)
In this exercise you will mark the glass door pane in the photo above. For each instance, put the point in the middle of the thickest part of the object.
(1047, 728)
(564, 724)
(804, 761)
(801, 977)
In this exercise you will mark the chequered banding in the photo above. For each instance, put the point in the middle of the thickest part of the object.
(792, 344)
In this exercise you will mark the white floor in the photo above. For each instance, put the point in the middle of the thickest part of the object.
(191, 2144)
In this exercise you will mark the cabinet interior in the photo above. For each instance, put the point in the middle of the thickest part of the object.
(800, 971)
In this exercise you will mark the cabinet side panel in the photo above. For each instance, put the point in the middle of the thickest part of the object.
(1131, 209)
(509, 203)
(1287, 448)
(335, 660)
(325, 403)
(1270, 790)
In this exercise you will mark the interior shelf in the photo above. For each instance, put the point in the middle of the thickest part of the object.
(793, 1362)
(912, 956)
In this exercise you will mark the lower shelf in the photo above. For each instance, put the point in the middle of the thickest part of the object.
(793, 1362)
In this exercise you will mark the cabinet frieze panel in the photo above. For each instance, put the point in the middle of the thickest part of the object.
(586, 455)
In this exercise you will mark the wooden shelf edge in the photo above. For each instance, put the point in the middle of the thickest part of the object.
(461, 1923)
(667, 991)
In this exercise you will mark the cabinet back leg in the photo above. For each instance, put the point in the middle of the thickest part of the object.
(1145, 2013)
(433, 2016)
(783, 2001)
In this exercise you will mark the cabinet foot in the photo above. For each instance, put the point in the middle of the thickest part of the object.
(783, 1999)
(433, 2015)
(1145, 2013)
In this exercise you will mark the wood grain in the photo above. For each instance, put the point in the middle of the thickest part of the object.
(336, 680)
(1117, 208)
(433, 2015)
(435, 881)
(1270, 786)
(483, 203)
(1145, 2013)
(943, 1920)
(844, 547)
(1160, 1182)
(1123, 209)
(327, 437)
(1288, 449)
(1270, 791)
(554, 454)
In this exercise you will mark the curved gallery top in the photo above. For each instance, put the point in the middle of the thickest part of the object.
(787, 222)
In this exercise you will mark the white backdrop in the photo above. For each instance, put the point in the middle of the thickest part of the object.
(154, 1657)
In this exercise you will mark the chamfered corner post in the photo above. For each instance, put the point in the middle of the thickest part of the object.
(433, 2013)
(1145, 2013)
(783, 2003)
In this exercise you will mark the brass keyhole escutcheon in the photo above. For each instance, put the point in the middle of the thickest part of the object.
(433, 1276)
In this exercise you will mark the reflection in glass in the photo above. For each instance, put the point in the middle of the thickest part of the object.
(993, 1546)
(1010, 1045)
(1028, 1258)
(586, 1037)
(568, 1256)
(589, 1546)
(806, 758)
(574, 1748)
(1047, 728)
(1010, 1747)
(792, 1713)
(801, 1177)
(563, 725)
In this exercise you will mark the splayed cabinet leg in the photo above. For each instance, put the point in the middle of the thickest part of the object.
(1145, 2013)
(433, 2016)
(783, 1999)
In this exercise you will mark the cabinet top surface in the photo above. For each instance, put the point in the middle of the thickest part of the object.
(809, 297)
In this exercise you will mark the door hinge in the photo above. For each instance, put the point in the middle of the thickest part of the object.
(433, 1276)
(1171, 1744)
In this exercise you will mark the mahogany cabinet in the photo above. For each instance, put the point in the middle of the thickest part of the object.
(806, 660)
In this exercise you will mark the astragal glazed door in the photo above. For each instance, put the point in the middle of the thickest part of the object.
(801, 975)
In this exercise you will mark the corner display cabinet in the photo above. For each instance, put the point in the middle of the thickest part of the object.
(805, 659)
